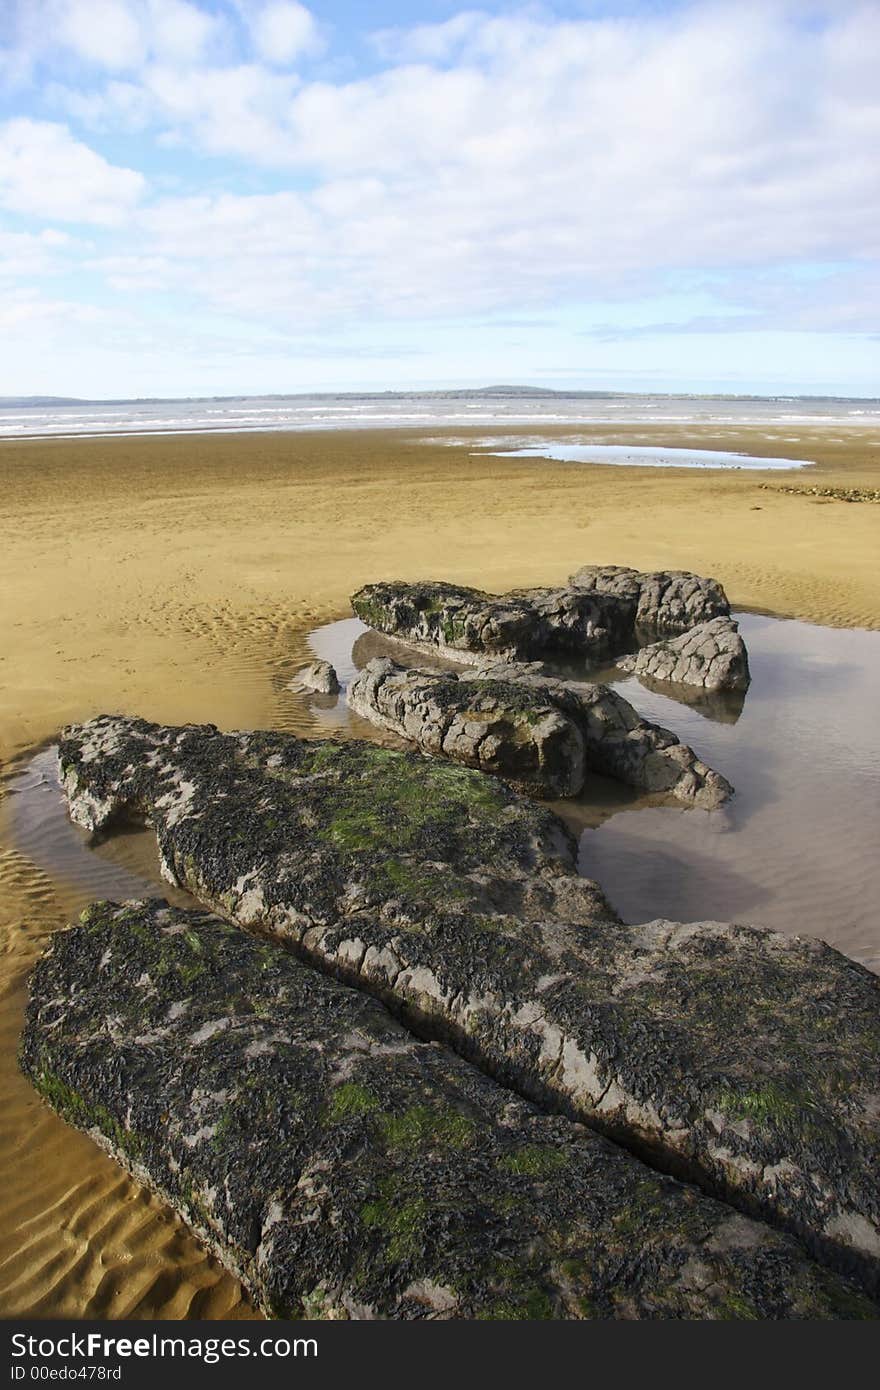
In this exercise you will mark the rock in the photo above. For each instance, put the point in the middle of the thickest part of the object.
(341, 1168)
(603, 611)
(539, 734)
(618, 743)
(665, 600)
(468, 624)
(711, 655)
(740, 1058)
(320, 676)
(501, 728)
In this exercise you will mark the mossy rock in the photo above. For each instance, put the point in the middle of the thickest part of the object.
(343, 1168)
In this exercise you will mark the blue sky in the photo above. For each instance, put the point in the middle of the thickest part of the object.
(221, 196)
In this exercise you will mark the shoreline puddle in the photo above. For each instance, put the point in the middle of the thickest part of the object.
(647, 456)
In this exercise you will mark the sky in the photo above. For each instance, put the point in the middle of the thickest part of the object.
(253, 196)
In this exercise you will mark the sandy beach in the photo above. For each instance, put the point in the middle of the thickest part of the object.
(172, 577)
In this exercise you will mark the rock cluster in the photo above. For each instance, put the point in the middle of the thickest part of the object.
(604, 611)
(470, 625)
(739, 1058)
(711, 655)
(839, 494)
(343, 1169)
(542, 735)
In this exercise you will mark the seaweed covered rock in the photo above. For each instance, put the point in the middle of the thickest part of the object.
(742, 1058)
(469, 624)
(618, 743)
(343, 1169)
(603, 611)
(711, 655)
(664, 601)
(542, 735)
(501, 728)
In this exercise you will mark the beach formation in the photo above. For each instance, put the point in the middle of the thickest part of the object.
(673, 1169)
(724, 1074)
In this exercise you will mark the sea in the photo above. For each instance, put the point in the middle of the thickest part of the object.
(492, 408)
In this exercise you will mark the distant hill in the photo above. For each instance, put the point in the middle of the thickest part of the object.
(24, 402)
(449, 393)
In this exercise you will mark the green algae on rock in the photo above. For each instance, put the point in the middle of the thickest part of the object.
(470, 624)
(341, 1168)
(602, 611)
(743, 1059)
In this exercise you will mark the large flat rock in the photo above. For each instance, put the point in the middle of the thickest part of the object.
(741, 1058)
(343, 1169)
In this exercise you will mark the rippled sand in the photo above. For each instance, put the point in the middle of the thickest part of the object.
(175, 578)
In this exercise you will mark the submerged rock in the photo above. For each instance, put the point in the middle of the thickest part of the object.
(501, 728)
(711, 655)
(320, 676)
(741, 1058)
(539, 734)
(664, 600)
(343, 1169)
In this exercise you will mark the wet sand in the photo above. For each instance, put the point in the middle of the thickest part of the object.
(176, 578)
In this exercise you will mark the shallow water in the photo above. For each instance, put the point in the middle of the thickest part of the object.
(648, 456)
(414, 409)
(796, 849)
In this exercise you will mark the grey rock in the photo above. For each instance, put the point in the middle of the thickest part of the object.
(343, 1169)
(541, 735)
(468, 624)
(711, 655)
(500, 728)
(739, 1058)
(618, 743)
(320, 677)
(603, 611)
(666, 601)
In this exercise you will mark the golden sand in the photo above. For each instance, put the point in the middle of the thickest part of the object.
(170, 577)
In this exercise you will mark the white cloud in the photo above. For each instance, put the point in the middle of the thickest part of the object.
(283, 31)
(30, 313)
(118, 36)
(28, 255)
(179, 32)
(106, 32)
(46, 173)
(491, 164)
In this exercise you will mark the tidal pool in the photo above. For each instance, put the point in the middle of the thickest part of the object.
(646, 456)
(796, 849)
